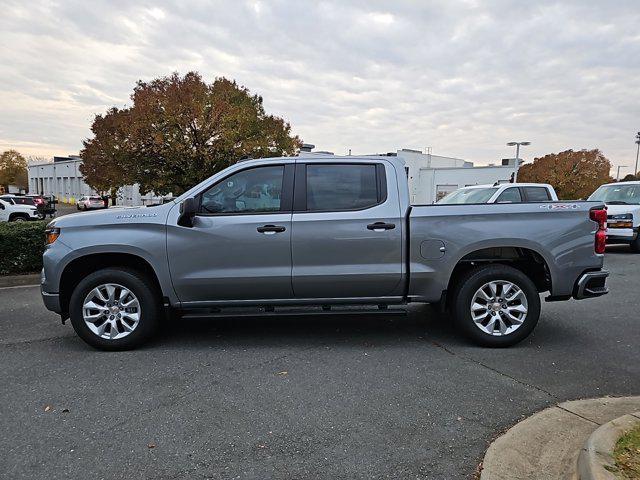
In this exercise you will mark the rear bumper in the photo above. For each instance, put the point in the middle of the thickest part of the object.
(591, 284)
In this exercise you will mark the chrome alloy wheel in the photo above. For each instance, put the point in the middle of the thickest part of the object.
(499, 307)
(111, 311)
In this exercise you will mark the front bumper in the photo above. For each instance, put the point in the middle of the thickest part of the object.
(622, 235)
(51, 301)
(591, 284)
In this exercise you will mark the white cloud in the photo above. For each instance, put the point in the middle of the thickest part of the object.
(463, 77)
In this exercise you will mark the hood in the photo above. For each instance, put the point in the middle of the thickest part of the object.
(114, 216)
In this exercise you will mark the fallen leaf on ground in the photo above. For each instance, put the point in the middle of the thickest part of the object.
(283, 373)
(151, 445)
(48, 408)
(65, 410)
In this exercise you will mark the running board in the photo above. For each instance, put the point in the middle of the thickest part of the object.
(289, 312)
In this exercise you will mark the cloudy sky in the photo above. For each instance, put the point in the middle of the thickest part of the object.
(462, 77)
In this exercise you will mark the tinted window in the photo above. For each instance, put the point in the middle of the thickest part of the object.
(341, 187)
(510, 195)
(23, 201)
(255, 190)
(537, 194)
(469, 195)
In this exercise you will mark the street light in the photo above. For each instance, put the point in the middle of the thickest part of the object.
(618, 174)
(517, 145)
(635, 172)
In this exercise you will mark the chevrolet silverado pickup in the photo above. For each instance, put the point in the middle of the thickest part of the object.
(324, 232)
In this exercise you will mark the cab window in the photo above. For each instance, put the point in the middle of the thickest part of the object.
(537, 194)
(510, 195)
(342, 187)
(255, 190)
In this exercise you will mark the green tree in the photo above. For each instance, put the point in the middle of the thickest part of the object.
(179, 131)
(13, 170)
(573, 174)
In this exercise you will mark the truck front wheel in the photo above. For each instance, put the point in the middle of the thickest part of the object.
(496, 305)
(115, 309)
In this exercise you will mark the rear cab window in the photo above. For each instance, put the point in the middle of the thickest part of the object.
(537, 194)
(339, 187)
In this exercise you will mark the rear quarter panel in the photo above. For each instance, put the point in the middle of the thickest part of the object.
(561, 232)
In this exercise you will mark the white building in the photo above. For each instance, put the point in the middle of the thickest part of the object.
(63, 178)
(431, 177)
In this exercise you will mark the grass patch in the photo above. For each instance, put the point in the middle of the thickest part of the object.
(627, 455)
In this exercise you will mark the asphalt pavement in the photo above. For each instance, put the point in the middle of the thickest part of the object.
(298, 397)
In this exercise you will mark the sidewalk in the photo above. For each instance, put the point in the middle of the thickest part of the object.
(547, 444)
(19, 280)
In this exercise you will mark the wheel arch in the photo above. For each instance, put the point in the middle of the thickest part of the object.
(83, 265)
(529, 261)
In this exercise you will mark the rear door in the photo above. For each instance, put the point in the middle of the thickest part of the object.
(346, 230)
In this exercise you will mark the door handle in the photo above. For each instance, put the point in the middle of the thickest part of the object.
(379, 226)
(271, 229)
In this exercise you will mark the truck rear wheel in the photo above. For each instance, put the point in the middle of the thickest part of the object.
(496, 305)
(115, 309)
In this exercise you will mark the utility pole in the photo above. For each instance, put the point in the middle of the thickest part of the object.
(618, 174)
(635, 172)
(517, 145)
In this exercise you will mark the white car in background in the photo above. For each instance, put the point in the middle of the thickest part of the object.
(90, 203)
(623, 211)
(502, 193)
(11, 211)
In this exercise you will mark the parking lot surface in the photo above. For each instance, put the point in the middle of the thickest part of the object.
(298, 397)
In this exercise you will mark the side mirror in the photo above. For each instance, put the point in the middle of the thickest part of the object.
(188, 210)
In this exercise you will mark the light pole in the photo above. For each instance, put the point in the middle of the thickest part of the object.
(618, 174)
(635, 172)
(517, 145)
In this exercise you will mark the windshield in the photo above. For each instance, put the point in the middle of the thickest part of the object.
(617, 194)
(469, 195)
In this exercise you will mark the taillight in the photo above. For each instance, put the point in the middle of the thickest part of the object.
(600, 216)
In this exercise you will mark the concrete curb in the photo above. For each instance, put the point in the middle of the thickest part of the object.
(19, 280)
(597, 453)
(547, 444)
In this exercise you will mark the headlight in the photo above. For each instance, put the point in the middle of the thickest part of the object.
(52, 235)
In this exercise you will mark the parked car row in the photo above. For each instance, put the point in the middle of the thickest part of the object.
(14, 208)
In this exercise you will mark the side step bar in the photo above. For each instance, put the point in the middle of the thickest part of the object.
(288, 312)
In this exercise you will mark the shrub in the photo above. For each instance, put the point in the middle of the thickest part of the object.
(21, 247)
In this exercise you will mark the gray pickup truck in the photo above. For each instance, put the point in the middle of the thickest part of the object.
(324, 233)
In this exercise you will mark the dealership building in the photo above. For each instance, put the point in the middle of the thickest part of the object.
(430, 177)
(63, 178)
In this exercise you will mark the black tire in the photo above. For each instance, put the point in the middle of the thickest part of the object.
(19, 217)
(635, 245)
(148, 297)
(471, 282)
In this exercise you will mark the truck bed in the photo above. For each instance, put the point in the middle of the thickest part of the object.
(560, 233)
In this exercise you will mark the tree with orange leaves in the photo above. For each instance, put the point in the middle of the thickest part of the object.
(573, 174)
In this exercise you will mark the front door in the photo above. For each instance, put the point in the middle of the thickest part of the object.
(346, 231)
(239, 247)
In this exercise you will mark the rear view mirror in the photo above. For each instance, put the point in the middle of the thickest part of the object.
(188, 210)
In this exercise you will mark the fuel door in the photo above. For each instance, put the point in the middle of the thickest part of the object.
(432, 249)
